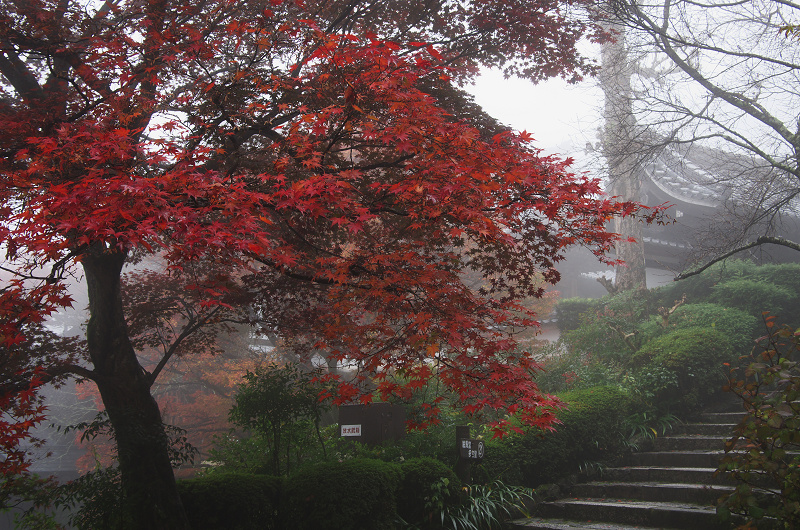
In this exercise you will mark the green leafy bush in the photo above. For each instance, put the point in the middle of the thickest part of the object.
(591, 430)
(596, 339)
(753, 296)
(282, 405)
(695, 356)
(353, 495)
(571, 370)
(782, 274)
(711, 286)
(421, 484)
(602, 331)
(737, 325)
(699, 288)
(235, 501)
(764, 453)
(236, 452)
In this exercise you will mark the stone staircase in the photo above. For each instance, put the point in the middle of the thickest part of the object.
(669, 487)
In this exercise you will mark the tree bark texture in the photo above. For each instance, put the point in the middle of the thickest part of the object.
(150, 496)
(619, 149)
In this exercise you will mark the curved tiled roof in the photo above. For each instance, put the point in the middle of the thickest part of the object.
(684, 177)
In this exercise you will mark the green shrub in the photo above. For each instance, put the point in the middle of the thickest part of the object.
(231, 501)
(753, 296)
(737, 325)
(351, 495)
(596, 339)
(700, 287)
(783, 275)
(282, 405)
(417, 489)
(590, 431)
(247, 453)
(695, 356)
(570, 311)
(601, 330)
(567, 369)
(786, 275)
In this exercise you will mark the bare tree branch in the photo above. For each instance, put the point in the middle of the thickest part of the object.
(763, 240)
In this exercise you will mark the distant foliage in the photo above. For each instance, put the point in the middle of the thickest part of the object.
(641, 341)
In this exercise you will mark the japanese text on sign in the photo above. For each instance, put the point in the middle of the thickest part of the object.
(471, 449)
(351, 430)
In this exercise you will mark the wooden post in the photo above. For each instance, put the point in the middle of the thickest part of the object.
(462, 464)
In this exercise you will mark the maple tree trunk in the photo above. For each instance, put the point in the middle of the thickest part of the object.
(150, 496)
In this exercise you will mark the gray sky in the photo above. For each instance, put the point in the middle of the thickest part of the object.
(561, 117)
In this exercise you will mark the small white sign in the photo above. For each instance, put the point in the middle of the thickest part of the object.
(351, 430)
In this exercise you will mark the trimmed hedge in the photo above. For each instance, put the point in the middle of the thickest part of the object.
(741, 284)
(569, 312)
(736, 324)
(753, 296)
(590, 431)
(235, 501)
(695, 356)
(416, 487)
(356, 494)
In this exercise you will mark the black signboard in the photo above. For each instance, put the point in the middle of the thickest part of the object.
(372, 424)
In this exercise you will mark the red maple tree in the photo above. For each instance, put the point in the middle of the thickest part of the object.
(305, 153)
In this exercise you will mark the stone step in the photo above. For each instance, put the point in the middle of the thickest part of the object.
(705, 429)
(675, 458)
(653, 491)
(727, 405)
(673, 486)
(694, 475)
(654, 514)
(689, 443)
(562, 524)
(730, 418)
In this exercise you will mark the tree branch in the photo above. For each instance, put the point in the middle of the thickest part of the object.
(187, 331)
(20, 77)
(763, 240)
(629, 11)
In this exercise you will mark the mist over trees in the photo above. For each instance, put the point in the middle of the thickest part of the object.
(718, 81)
(315, 163)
